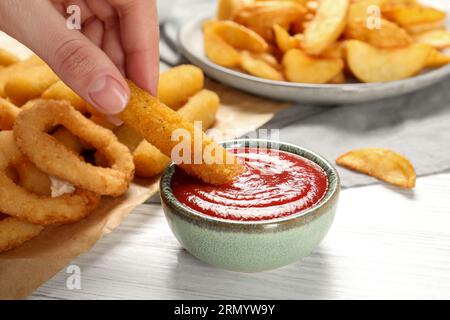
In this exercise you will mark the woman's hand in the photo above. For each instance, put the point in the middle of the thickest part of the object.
(117, 38)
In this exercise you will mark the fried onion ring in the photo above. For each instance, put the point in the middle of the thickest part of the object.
(33, 179)
(14, 232)
(20, 203)
(55, 159)
(8, 114)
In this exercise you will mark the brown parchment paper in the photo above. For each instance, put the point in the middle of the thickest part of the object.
(24, 269)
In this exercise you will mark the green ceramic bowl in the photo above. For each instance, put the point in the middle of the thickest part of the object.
(252, 246)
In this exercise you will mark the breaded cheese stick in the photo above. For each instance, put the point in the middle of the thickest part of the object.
(178, 84)
(157, 123)
(7, 58)
(148, 160)
(8, 114)
(29, 83)
(129, 137)
(8, 72)
(201, 107)
(60, 91)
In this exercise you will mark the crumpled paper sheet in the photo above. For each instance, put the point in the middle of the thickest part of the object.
(24, 269)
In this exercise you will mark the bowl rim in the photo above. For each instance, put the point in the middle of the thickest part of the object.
(169, 198)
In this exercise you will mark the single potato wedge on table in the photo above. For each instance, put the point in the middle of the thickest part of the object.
(383, 164)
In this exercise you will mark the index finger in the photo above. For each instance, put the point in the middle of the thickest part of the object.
(139, 30)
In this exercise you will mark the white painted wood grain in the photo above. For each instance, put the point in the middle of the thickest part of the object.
(385, 243)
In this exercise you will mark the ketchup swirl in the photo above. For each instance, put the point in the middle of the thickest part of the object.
(274, 184)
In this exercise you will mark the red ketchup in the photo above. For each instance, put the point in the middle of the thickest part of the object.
(275, 184)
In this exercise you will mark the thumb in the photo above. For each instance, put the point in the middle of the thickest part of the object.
(77, 61)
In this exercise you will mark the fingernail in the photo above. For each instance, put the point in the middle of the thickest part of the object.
(108, 95)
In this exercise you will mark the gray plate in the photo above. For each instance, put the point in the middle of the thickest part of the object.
(191, 45)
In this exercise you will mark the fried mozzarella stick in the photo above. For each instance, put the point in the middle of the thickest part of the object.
(29, 83)
(60, 91)
(8, 114)
(158, 124)
(7, 58)
(201, 107)
(148, 160)
(10, 71)
(177, 84)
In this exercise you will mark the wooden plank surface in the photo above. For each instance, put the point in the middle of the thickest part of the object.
(385, 243)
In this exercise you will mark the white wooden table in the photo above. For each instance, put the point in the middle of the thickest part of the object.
(385, 243)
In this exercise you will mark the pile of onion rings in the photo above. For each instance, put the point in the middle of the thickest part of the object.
(18, 202)
(59, 156)
(42, 144)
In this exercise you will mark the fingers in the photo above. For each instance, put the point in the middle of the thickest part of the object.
(140, 40)
(77, 61)
(112, 44)
(92, 27)
(93, 30)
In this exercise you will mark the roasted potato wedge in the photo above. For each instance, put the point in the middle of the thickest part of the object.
(414, 14)
(227, 8)
(439, 39)
(389, 35)
(300, 67)
(383, 164)
(370, 64)
(437, 59)
(284, 40)
(335, 51)
(239, 37)
(220, 52)
(340, 78)
(261, 16)
(268, 58)
(326, 27)
(424, 27)
(362, 9)
(259, 68)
